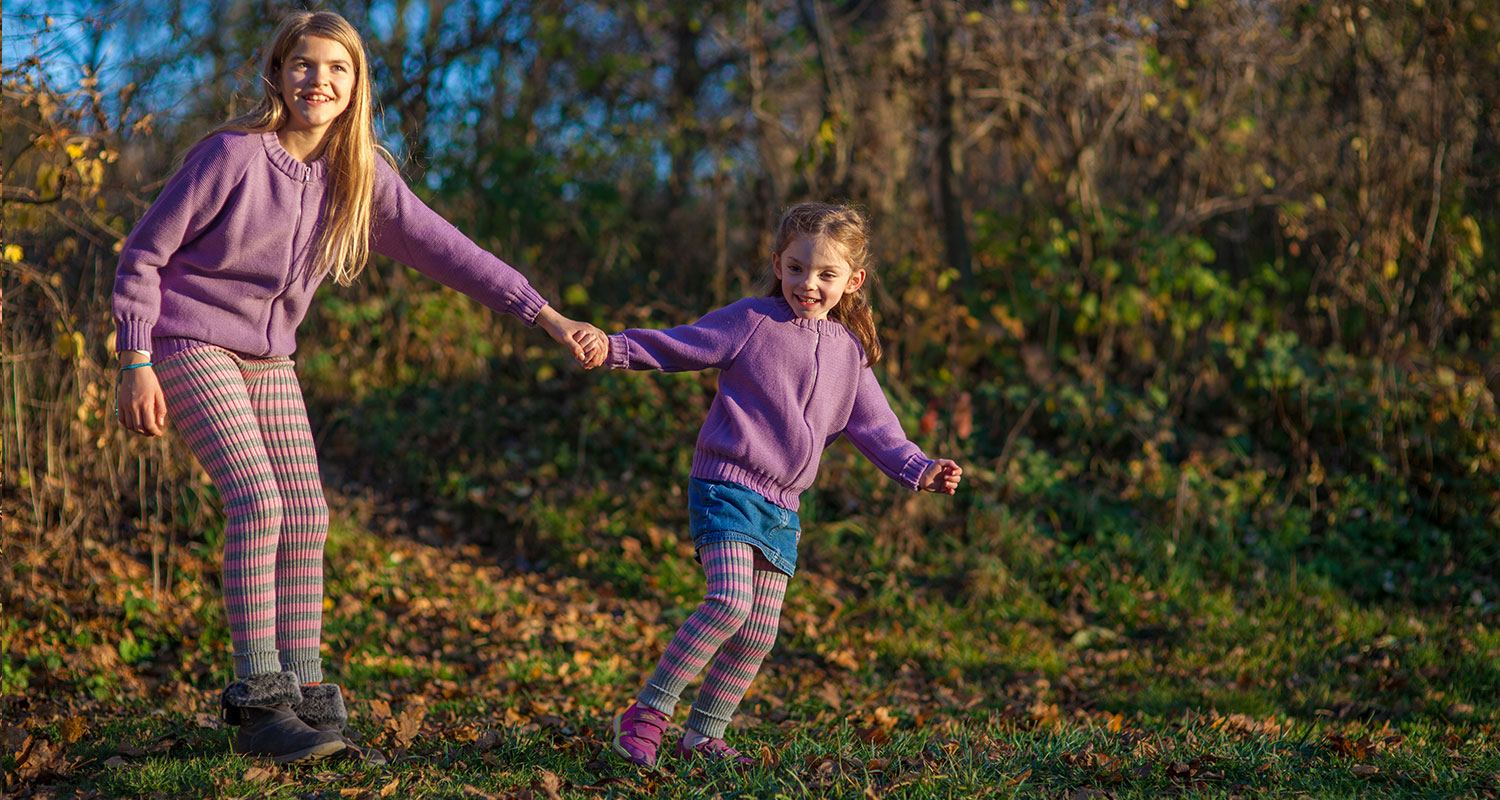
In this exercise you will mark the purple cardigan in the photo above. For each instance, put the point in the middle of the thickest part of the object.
(224, 255)
(788, 387)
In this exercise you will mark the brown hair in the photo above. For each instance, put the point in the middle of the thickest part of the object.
(846, 227)
(349, 148)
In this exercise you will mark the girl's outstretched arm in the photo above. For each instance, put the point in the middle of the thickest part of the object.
(712, 341)
(407, 230)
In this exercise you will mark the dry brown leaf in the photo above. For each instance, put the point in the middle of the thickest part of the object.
(1020, 779)
(550, 784)
(390, 788)
(258, 774)
(405, 726)
(1365, 770)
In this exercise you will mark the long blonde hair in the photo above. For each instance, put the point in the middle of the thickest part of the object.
(349, 147)
(846, 227)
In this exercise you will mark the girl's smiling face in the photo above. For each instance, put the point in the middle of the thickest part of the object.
(815, 274)
(317, 80)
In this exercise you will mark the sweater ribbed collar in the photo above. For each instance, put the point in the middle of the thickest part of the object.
(823, 326)
(286, 162)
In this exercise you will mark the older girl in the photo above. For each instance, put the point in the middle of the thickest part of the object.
(211, 287)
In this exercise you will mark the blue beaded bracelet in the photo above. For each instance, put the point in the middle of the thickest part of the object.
(135, 366)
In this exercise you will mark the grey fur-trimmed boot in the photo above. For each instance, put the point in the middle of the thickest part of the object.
(260, 708)
(322, 708)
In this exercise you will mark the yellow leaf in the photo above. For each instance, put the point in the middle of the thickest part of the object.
(390, 788)
(70, 345)
(72, 729)
(75, 151)
(13, 253)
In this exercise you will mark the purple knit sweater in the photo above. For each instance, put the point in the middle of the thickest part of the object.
(788, 388)
(224, 255)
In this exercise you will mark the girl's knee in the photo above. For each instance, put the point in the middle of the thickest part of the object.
(258, 510)
(729, 607)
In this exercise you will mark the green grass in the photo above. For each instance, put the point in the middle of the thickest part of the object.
(1017, 677)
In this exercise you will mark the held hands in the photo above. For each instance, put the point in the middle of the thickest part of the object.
(139, 402)
(941, 476)
(587, 343)
(594, 341)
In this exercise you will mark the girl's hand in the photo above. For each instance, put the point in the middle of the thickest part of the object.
(573, 335)
(595, 346)
(139, 402)
(941, 476)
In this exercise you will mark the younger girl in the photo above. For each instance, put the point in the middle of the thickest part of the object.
(795, 376)
(211, 286)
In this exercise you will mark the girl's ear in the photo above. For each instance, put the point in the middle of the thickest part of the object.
(776, 265)
(855, 281)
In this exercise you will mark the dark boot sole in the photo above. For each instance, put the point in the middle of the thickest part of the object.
(317, 752)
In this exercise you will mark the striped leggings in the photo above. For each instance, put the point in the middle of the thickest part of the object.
(244, 420)
(734, 626)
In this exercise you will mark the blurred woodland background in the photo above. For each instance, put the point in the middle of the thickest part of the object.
(1202, 293)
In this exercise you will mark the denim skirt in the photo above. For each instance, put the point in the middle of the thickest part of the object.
(721, 511)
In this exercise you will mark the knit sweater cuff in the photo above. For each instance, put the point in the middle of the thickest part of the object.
(619, 351)
(133, 334)
(525, 302)
(911, 474)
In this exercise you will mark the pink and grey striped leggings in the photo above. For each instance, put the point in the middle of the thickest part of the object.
(734, 626)
(245, 421)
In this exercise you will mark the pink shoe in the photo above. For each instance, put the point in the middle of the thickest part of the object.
(638, 734)
(714, 750)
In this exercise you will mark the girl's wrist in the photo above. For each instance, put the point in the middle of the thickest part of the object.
(548, 318)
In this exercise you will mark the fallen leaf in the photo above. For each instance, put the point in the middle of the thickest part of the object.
(210, 721)
(405, 726)
(115, 761)
(550, 784)
(390, 788)
(72, 729)
(257, 774)
(1020, 779)
(553, 722)
(1365, 770)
